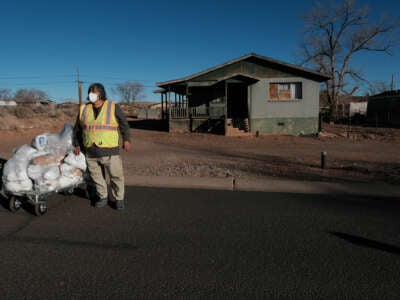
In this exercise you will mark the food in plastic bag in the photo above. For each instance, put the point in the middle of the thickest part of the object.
(67, 181)
(57, 144)
(66, 137)
(40, 141)
(18, 186)
(70, 171)
(25, 151)
(36, 171)
(77, 161)
(52, 173)
(43, 186)
(15, 169)
(42, 164)
(47, 159)
(66, 169)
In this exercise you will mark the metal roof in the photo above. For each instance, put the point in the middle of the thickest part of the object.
(258, 59)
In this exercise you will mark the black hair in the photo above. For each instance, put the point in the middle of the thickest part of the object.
(98, 87)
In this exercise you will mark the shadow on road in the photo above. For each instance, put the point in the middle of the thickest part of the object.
(360, 241)
(155, 125)
(3, 201)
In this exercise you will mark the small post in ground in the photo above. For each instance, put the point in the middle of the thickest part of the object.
(323, 159)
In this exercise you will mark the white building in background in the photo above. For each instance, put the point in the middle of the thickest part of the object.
(358, 108)
(7, 103)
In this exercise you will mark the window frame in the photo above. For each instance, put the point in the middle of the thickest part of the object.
(289, 84)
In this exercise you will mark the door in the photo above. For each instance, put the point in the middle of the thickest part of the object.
(237, 101)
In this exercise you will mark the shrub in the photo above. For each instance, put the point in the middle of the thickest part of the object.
(23, 112)
(70, 111)
(7, 110)
(40, 109)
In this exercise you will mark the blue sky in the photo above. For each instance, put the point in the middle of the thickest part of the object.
(43, 42)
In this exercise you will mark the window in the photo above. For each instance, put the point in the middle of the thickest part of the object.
(285, 91)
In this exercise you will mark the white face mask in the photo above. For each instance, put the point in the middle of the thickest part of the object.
(93, 97)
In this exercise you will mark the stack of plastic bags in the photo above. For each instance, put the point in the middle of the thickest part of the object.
(48, 165)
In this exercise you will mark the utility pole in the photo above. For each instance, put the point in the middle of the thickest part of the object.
(392, 83)
(79, 87)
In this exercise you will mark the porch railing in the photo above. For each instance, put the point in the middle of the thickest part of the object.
(182, 112)
(178, 112)
(199, 112)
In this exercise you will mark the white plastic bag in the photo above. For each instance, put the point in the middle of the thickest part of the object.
(41, 164)
(51, 173)
(25, 151)
(40, 141)
(36, 171)
(18, 186)
(15, 169)
(66, 169)
(67, 181)
(43, 186)
(77, 161)
(66, 137)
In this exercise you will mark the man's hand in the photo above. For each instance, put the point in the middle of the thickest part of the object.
(77, 150)
(126, 146)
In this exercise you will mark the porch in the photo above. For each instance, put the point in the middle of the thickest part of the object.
(214, 106)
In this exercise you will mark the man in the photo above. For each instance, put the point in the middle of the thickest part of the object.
(97, 130)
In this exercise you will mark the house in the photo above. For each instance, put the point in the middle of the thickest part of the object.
(26, 102)
(150, 111)
(348, 107)
(8, 103)
(384, 109)
(252, 93)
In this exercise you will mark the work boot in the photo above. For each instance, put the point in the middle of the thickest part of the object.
(119, 204)
(101, 202)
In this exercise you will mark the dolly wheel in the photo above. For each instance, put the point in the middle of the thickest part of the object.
(69, 192)
(14, 204)
(40, 209)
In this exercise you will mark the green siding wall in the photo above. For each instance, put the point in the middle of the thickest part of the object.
(291, 126)
(297, 116)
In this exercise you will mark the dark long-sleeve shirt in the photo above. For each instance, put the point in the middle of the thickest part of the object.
(95, 151)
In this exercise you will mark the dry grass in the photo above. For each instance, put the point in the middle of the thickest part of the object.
(28, 116)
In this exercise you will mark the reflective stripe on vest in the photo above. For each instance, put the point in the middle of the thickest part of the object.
(101, 131)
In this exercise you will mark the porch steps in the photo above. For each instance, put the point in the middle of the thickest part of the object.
(244, 125)
(237, 127)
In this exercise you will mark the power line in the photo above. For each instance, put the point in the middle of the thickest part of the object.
(120, 78)
(43, 83)
(33, 77)
(63, 82)
(87, 78)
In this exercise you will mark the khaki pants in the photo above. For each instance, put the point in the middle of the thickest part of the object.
(112, 166)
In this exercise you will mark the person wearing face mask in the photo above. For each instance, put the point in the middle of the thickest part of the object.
(97, 134)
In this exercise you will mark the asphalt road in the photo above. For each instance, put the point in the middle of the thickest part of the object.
(175, 243)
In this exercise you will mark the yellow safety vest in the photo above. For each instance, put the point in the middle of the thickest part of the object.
(101, 131)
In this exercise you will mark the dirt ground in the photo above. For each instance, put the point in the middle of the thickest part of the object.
(353, 154)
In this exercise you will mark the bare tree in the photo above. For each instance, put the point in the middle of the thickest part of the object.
(5, 93)
(377, 87)
(30, 94)
(335, 33)
(129, 90)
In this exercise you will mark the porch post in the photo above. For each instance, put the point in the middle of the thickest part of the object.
(226, 107)
(169, 98)
(187, 101)
(162, 106)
